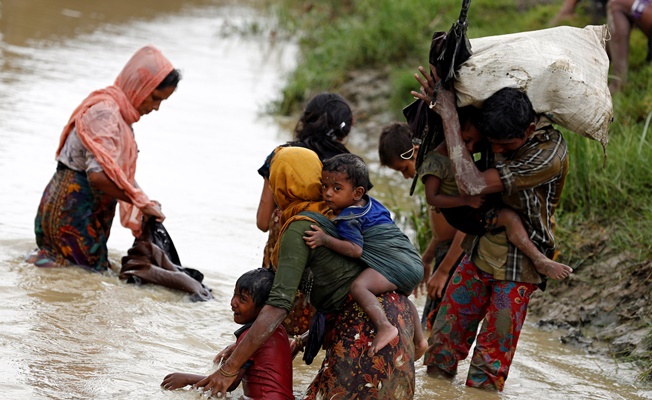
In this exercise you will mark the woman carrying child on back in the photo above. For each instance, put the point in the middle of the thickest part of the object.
(323, 126)
(364, 224)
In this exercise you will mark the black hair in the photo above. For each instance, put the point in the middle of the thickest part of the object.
(395, 139)
(469, 115)
(171, 80)
(506, 114)
(353, 166)
(257, 283)
(325, 121)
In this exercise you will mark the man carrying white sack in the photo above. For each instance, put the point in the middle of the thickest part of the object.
(495, 280)
(521, 95)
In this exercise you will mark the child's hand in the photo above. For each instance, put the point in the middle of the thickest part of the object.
(474, 201)
(176, 380)
(224, 354)
(436, 284)
(316, 237)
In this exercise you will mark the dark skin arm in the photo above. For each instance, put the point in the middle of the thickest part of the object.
(470, 179)
(436, 199)
(266, 208)
(177, 380)
(438, 280)
(317, 237)
(102, 182)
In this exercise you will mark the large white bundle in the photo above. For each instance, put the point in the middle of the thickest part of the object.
(563, 70)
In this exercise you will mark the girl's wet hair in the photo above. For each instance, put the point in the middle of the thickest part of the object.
(325, 121)
(395, 140)
(354, 168)
(171, 80)
(257, 283)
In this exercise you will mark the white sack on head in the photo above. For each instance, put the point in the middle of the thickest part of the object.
(563, 70)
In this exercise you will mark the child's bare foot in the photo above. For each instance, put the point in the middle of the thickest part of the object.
(384, 335)
(420, 347)
(553, 269)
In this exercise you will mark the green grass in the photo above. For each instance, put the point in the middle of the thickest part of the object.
(604, 210)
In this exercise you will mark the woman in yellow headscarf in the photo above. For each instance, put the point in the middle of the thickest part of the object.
(97, 164)
(325, 276)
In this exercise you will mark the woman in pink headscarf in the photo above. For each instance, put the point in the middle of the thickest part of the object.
(96, 167)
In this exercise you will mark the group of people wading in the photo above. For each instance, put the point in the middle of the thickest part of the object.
(337, 271)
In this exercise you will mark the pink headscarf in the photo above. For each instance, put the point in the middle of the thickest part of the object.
(103, 123)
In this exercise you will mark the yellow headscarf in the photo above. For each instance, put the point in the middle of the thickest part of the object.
(295, 180)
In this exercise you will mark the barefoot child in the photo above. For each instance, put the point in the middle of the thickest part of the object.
(476, 215)
(345, 183)
(268, 374)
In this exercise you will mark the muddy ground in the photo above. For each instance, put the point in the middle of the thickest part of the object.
(603, 307)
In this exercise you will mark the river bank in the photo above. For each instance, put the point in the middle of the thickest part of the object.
(604, 307)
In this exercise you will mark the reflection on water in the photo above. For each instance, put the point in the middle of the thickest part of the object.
(73, 334)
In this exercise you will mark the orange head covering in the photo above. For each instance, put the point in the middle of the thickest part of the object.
(103, 123)
(295, 180)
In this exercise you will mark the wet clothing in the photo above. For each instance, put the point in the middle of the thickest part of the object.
(269, 370)
(495, 280)
(73, 223)
(325, 277)
(385, 248)
(533, 178)
(76, 157)
(472, 221)
(349, 373)
(74, 219)
(471, 296)
(298, 319)
(354, 220)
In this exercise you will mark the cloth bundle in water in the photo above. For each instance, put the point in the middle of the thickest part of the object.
(563, 70)
(154, 259)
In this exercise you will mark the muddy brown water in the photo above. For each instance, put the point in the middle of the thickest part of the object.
(69, 334)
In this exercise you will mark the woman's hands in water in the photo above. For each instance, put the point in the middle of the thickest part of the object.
(217, 383)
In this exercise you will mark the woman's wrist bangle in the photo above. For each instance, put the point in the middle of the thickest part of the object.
(227, 374)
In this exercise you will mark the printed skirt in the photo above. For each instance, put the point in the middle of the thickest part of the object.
(73, 223)
(348, 372)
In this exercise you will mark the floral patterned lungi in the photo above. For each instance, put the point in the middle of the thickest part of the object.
(348, 373)
(472, 295)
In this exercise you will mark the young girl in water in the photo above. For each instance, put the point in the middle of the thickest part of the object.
(268, 373)
(345, 183)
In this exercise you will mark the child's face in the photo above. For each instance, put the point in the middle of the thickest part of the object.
(338, 193)
(405, 167)
(243, 307)
(472, 138)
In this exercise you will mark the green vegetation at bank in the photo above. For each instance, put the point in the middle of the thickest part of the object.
(604, 210)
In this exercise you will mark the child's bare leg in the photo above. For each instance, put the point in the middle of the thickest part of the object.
(364, 290)
(420, 341)
(517, 234)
